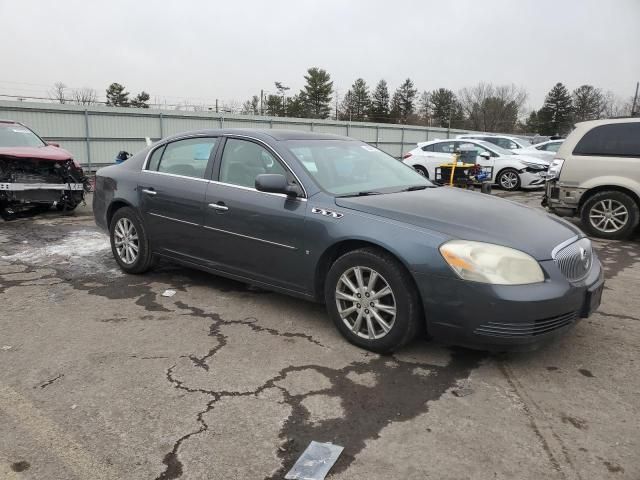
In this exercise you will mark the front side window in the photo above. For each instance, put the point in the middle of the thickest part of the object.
(343, 167)
(14, 135)
(243, 161)
(474, 146)
(188, 157)
(615, 139)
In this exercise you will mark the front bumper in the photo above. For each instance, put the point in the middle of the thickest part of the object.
(532, 179)
(507, 317)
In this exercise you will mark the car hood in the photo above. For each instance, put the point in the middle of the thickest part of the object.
(470, 216)
(528, 157)
(48, 152)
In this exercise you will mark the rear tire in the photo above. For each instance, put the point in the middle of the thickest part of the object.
(610, 214)
(509, 179)
(380, 315)
(129, 242)
(421, 170)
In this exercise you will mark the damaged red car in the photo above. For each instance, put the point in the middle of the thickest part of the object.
(36, 175)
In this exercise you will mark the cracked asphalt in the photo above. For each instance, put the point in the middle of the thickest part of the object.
(104, 378)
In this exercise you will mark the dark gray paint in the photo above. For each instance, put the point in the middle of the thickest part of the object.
(275, 241)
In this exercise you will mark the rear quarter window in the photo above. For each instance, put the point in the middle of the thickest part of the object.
(613, 140)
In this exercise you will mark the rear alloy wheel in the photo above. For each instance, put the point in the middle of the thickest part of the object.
(509, 179)
(421, 170)
(129, 243)
(372, 300)
(610, 214)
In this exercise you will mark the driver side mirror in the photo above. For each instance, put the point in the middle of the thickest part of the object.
(485, 155)
(276, 183)
(53, 144)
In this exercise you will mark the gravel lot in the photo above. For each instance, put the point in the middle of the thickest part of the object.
(104, 378)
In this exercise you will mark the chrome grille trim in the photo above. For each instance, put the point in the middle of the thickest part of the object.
(575, 259)
(526, 329)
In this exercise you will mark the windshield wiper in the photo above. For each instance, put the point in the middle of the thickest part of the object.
(416, 187)
(360, 194)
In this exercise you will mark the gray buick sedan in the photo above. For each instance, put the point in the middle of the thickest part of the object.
(334, 220)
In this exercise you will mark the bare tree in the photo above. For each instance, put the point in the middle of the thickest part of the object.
(58, 92)
(84, 96)
(492, 108)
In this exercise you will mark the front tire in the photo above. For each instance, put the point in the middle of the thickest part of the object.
(372, 300)
(610, 214)
(509, 179)
(129, 242)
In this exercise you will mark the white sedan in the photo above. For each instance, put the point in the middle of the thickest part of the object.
(545, 150)
(510, 171)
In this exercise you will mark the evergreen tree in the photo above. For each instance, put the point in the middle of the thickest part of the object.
(297, 106)
(273, 106)
(588, 103)
(379, 111)
(116, 96)
(140, 101)
(357, 102)
(403, 101)
(532, 125)
(317, 93)
(556, 115)
(445, 106)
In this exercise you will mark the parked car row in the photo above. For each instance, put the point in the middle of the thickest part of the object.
(509, 171)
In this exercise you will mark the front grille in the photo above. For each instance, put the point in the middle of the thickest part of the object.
(575, 259)
(526, 329)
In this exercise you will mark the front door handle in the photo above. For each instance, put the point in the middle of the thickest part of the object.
(219, 206)
(149, 191)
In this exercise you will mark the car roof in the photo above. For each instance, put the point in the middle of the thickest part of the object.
(607, 121)
(263, 134)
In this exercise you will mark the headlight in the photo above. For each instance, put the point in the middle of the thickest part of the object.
(555, 168)
(488, 263)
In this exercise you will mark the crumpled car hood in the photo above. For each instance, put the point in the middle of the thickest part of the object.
(48, 152)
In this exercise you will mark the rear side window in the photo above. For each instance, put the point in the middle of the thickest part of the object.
(187, 158)
(427, 148)
(615, 139)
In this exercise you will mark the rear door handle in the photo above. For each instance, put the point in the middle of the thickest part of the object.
(149, 191)
(219, 206)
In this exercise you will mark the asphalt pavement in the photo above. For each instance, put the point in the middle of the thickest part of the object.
(102, 377)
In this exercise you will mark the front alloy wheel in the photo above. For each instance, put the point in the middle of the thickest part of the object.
(372, 299)
(366, 303)
(509, 179)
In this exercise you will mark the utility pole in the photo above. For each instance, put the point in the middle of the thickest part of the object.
(216, 105)
(337, 97)
(635, 100)
(261, 97)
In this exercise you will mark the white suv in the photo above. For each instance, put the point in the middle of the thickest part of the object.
(596, 175)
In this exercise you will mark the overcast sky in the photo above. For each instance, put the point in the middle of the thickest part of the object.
(230, 50)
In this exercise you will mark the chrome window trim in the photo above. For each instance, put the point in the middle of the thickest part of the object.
(155, 172)
(226, 135)
(268, 147)
(250, 238)
(241, 187)
(174, 219)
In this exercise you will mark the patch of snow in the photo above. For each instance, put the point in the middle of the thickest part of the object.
(78, 244)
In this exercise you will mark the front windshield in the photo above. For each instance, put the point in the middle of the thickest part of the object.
(14, 135)
(495, 148)
(343, 167)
